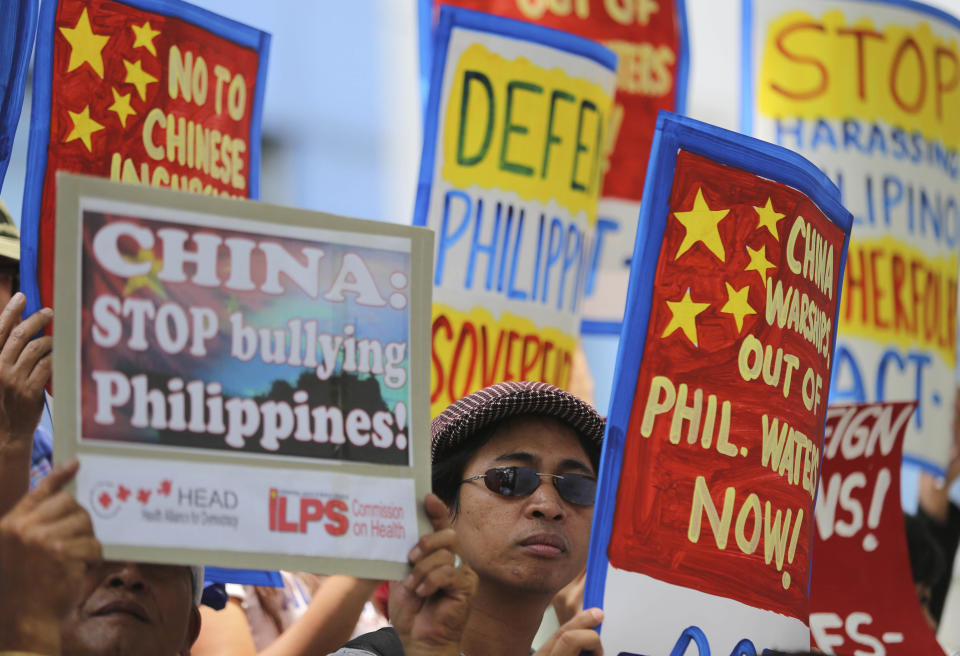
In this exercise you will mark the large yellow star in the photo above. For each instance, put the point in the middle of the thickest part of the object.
(138, 77)
(684, 317)
(85, 46)
(83, 127)
(759, 263)
(121, 107)
(701, 224)
(149, 279)
(737, 304)
(144, 36)
(767, 218)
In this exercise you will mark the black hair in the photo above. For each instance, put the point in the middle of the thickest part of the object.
(927, 561)
(448, 473)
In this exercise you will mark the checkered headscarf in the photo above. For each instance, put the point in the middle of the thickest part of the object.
(466, 417)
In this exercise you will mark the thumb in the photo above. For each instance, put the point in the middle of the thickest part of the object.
(55, 481)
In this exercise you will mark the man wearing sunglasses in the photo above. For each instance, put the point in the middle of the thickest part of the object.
(516, 465)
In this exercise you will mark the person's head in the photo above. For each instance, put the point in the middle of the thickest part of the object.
(9, 257)
(134, 608)
(498, 456)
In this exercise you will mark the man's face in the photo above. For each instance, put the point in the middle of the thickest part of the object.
(128, 609)
(536, 543)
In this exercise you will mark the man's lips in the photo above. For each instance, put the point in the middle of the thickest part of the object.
(123, 607)
(544, 544)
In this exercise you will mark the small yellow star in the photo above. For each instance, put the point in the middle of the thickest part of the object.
(138, 77)
(759, 263)
(737, 304)
(83, 127)
(767, 218)
(121, 107)
(701, 224)
(85, 45)
(144, 36)
(148, 279)
(684, 317)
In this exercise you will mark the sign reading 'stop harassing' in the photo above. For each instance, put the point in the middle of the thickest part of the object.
(152, 92)
(715, 428)
(242, 379)
(514, 149)
(868, 91)
(650, 41)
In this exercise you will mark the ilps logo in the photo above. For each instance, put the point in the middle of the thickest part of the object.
(309, 509)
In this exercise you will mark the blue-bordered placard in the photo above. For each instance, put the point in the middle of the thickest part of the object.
(220, 26)
(673, 135)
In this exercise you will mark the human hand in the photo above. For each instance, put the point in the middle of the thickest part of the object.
(429, 609)
(46, 542)
(569, 600)
(25, 367)
(577, 635)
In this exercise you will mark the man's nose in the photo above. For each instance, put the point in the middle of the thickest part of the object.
(125, 574)
(545, 502)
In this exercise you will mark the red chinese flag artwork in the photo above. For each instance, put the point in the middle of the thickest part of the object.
(731, 395)
(862, 596)
(154, 92)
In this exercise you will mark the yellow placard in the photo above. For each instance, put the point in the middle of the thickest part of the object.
(513, 125)
(474, 349)
(900, 295)
(833, 67)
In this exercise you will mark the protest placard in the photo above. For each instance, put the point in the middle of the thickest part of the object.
(509, 179)
(243, 384)
(155, 92)
(703, 525)
(650, 41)
(868, 91)
(18, 27)
(862, 594)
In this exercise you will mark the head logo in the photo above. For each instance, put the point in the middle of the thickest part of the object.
(104, 500)
(306, 510)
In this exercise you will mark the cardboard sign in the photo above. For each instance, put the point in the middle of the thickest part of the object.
(512, 159)
(243, 384)
(18, 27)
(868, 91)
(862, 597)
(650, 41)
(703, 526)
(154, 92)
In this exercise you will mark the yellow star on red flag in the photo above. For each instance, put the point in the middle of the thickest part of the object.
(121, 107)
(149, 279)
(143, 36)
(702, 224)
(767, 218)
(737, 304)
(138, 77)
(83, 127)
(759, 263)
(684, 317)
(85, 45)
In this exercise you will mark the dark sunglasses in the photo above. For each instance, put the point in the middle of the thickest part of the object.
(522, 481)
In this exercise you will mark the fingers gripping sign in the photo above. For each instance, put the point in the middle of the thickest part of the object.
(430, 607)
(46, 543)
(576, 636)
(25, 366)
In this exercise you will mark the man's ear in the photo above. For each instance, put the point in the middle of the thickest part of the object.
(193, 630)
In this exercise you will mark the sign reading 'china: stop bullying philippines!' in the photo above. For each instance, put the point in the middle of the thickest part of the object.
(703, 526)
(243, 384)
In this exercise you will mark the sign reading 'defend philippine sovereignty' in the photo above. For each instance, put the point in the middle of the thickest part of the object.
(703, 528)
(869, 92)
(509, 180)
(242, 383)
(649, 38)
(154, 92)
